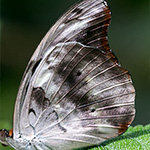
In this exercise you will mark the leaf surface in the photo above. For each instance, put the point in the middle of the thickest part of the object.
(135, 138)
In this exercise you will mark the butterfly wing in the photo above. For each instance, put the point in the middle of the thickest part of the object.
(91, 97)
(73, 92)
(86, 22)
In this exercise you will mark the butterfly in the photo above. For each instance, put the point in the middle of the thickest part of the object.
(74, 93)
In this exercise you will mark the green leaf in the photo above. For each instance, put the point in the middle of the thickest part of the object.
(135, 138)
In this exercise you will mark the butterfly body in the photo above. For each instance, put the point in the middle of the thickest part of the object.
(73, 93)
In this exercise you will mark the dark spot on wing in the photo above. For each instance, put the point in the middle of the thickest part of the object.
(93, 110)
(46, 103)
(79, 73)
(38, 95)
(31, 110)
(77, 11)
(62, 128)
(35, 66)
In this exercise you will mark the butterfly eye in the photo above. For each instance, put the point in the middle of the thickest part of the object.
(2, 134)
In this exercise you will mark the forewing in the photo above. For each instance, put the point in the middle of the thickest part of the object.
(87, 22)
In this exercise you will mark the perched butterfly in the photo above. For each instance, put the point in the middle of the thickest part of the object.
(73, 93)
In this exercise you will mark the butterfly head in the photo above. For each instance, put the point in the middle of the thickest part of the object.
(4, 134)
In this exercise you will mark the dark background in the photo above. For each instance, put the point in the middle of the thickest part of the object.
(25, 22)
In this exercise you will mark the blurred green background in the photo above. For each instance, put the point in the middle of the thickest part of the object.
(24, 23)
